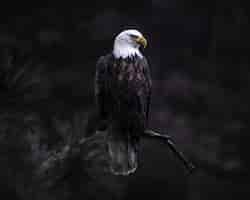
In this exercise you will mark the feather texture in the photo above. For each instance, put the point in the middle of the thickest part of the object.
(122, 89)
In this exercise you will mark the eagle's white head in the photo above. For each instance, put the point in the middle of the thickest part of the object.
(127, 44)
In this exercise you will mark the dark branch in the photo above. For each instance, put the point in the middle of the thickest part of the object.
(58, 164)
(152, 134)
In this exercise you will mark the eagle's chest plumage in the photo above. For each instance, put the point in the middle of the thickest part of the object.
(128, 89)
(128, 76)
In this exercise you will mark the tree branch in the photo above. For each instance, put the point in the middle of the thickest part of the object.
(59, 163)
(152, 134)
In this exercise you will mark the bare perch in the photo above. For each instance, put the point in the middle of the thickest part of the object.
(152, 134)
(59, 162)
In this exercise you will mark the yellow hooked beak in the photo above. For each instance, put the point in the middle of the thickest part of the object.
(142, 41)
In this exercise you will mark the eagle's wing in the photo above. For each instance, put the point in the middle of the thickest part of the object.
(101, 86)
(148, 85)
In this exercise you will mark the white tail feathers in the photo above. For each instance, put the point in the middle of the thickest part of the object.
(123, 154)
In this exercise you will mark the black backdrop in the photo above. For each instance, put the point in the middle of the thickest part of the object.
(198, 52)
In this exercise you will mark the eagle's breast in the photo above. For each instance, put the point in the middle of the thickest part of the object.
(129, 72)
(128, 85)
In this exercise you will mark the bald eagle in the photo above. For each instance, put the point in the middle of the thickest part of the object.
(122, 91)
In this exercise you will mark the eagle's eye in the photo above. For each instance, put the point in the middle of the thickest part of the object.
(133, 36)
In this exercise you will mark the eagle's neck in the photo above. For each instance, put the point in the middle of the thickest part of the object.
(125, 51)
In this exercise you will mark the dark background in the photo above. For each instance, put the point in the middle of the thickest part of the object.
(199, 57)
